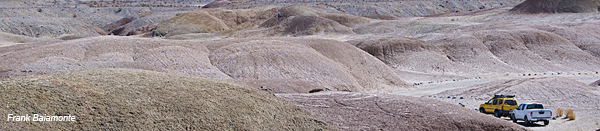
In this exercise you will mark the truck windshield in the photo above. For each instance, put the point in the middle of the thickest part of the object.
(535, 106)
(510, 102)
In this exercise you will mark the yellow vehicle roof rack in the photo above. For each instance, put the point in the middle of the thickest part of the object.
(504, 96)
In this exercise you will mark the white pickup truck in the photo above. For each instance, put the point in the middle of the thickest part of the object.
(531, 112)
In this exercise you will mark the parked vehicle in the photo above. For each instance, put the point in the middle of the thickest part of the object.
(530, 113)
(500, 105)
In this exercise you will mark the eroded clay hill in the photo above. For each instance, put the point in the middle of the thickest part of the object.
(178, 57)
(487, 41)
(84, 18)
(411, 54)
(295, 20)
(557, 6)
(8, 39)
(554, 92)
(125, 99)
(326, 64)
(375, 9)
(69, 18)
(355, 111)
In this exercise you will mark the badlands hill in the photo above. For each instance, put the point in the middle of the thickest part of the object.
(57, 53)
(126, 99)
(7, 39)
(488, 41)
(375, 9)
(460, 45)
(557, 6)
(328, 64)
(82, 18)
(355, 111)
(553, 92)
(295, 20)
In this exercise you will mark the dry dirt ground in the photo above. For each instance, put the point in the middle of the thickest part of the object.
(228, 68)
(565, 87)
(356, 111)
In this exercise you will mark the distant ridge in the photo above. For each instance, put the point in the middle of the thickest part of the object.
(557, 6)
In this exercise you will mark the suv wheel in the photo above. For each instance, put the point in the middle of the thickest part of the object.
(497, 113)
(514, 119)
(482, 110)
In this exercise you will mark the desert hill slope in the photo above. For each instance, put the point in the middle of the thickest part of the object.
(375, 9)
(552, 91)
(557, 6)
(411, 54)
(125, 99)
(486, 41)
(324, 62)
(332, 65)
(355, 111)
(294, 20)
(60, 18)
(109, 52)
(55, 20)
(291, 48)
(7, 39)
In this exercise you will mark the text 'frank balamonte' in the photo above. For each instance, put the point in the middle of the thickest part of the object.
(37, 117)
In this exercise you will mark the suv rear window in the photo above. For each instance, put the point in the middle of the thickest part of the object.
(510, 102)
(535, 106)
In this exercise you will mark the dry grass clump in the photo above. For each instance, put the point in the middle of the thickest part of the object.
(559, 112)
(570, 114)
(124, 99)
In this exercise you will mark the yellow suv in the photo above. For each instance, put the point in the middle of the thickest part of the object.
(500, 105)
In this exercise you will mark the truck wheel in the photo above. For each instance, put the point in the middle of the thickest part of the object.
(527, 122)
(546, 122)
(514, 119)
(497, 113)
(482, 110)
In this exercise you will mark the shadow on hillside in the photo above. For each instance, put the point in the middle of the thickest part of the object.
(535, 124)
